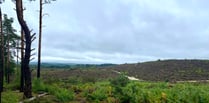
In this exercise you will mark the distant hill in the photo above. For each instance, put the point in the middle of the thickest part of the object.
(69, 65)
(167, 70)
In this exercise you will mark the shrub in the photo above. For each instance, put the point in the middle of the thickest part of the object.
(38, 85)
(99, 94)
(120, 81)
(119, 84)
(64, 95)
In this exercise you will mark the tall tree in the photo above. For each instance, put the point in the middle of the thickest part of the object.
(10, 42)
(41, 3)
(40, 36)
(26, 59)
(22, 54)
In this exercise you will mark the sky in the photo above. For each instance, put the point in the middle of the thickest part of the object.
(119, 31)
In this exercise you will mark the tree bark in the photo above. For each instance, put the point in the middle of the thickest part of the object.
(22, 57)
(26, 60)
(22, 81)
(39, 43)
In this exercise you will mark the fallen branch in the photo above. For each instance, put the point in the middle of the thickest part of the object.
(33, 98)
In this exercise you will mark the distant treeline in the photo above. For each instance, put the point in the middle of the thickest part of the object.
(69, 66)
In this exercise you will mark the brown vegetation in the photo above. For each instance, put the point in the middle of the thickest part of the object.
(168, 70)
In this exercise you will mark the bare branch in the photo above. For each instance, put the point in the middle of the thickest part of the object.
(31, 30)
(32, 59)
(33, 49)
(33, 54)
(33, 39)
(45, 14)
(33, 35)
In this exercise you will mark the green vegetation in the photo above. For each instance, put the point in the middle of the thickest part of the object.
(62, 94)
(11, 97)
(118, 89)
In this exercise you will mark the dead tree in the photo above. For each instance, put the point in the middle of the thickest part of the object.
(41, 3)
(22, 54)
(40, 36)
(26, 59)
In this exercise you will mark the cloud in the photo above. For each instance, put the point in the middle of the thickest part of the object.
(120, 31)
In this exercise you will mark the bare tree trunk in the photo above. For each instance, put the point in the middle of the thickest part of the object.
(2, 57)
(39, 43)
(26, 60)
(22, 55)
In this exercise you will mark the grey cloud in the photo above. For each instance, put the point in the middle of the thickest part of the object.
(119, 31)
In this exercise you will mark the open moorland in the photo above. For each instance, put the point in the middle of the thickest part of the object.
(167, 70)
(105, 85)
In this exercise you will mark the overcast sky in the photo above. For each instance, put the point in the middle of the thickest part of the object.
(120, 31)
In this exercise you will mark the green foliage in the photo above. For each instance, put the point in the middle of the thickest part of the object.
(95, 92)
(62, 94)
(119, 84)
(120, 81)
(98, 94)
(14, 84)
(38, 85)
(118, 90)
(10, 97)
(10, 39)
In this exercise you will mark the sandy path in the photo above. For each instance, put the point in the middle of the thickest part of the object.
(129, 77)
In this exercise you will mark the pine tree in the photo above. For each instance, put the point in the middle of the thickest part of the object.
(41, 3)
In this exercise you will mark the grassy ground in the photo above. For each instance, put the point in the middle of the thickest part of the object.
(95, 86)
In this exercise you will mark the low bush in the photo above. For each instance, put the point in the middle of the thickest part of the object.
(62, 94)
(38, 85)
(119, 84)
